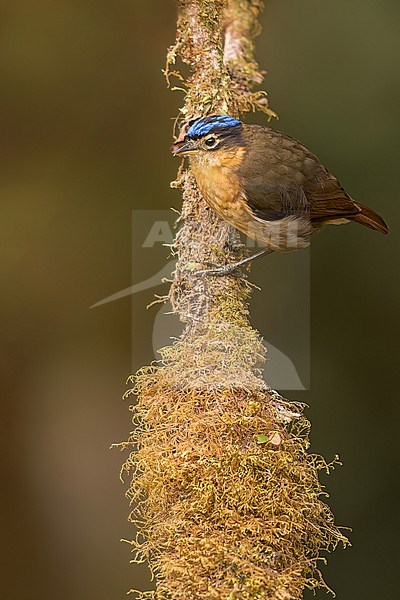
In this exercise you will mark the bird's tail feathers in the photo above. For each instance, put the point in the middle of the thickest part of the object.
(370, 218)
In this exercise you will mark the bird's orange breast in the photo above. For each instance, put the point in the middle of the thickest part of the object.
(219, 183)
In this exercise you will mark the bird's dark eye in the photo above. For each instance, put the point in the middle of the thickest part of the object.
(211, 142)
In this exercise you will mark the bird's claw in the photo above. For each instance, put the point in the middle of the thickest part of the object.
(221, 271)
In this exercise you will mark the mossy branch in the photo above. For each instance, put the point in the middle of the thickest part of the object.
(225, 496)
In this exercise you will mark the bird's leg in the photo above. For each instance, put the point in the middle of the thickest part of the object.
(229, 269)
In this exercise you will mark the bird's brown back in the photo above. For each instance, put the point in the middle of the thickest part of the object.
(281, 176)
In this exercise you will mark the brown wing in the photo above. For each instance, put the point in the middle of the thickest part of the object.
(275, 172)
(328, 200)
(280, 176)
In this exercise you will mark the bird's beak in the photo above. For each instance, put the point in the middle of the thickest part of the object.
(183, 148)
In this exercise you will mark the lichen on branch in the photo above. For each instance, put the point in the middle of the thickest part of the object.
(225, 496)
(216, 39)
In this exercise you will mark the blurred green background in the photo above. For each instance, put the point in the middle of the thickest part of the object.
(86, 125)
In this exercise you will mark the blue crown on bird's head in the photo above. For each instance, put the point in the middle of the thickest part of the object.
(204, 125)
(221, 130)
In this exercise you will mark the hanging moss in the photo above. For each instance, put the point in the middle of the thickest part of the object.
(226, 497)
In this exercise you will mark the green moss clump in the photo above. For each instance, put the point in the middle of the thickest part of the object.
(225, 496)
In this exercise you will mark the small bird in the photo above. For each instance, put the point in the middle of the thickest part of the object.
(266, 184)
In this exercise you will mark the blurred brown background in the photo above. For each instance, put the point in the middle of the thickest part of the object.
(85, 130)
